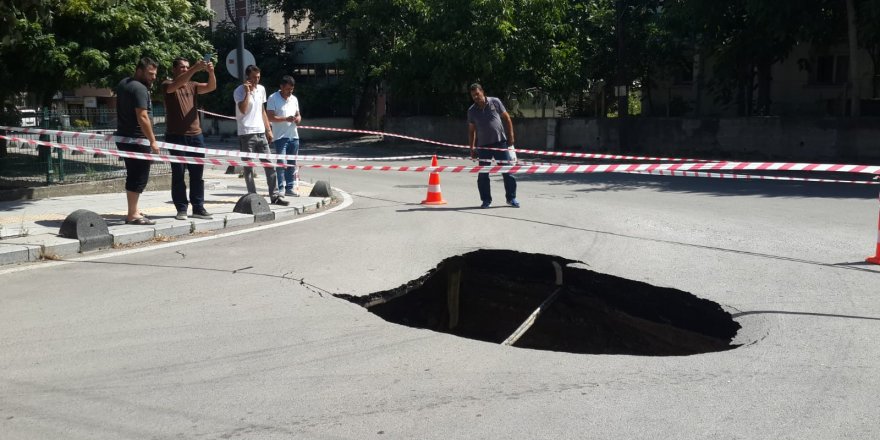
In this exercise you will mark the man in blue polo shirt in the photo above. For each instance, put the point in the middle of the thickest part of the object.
(487, 121)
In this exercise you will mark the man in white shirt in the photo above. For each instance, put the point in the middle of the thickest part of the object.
(254, 131)
(283, 112)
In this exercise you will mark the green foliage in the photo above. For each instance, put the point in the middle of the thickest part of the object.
(273, 55)
(746, 37)
(59, 44)
(426, 52)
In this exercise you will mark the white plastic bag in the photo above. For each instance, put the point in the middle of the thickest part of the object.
(511, 154)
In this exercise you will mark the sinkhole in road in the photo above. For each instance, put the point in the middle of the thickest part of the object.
(547, 302)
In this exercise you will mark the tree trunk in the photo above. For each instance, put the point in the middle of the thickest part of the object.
(875, 64)
(698, 82)
(745, 90)
(622, 83)
(364, 116)
(856, 95)
(741, 98)
(765, 80)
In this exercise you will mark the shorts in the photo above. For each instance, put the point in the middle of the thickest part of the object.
(137, 170)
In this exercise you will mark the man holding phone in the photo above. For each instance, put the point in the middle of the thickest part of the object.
(283, 112)
(183, 128)
(254, 131)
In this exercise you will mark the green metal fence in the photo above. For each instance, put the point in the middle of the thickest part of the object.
(29, 165)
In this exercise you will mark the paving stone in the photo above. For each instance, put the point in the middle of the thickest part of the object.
(128, 234)
(18, 253)
(50, 244)
(173, 229)
(234, 219)
(208, 225)
(286, 212)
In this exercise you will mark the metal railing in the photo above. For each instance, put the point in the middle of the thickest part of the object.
(27, 164)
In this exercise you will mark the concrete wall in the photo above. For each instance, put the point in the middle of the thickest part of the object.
(801, 139)
(528, 131)
(227, 127)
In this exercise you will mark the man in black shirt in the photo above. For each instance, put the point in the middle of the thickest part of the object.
(133, 108)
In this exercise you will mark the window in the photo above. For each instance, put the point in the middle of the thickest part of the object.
(321, 72)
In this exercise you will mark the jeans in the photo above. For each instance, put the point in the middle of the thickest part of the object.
(196, 182)
(485, 157)
(257, 143)
(290, 147)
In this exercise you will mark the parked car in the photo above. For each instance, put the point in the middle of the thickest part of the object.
(28, 117)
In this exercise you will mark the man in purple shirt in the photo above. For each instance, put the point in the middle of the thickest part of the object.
(487, 121)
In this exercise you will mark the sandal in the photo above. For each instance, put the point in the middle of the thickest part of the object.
(143, 221)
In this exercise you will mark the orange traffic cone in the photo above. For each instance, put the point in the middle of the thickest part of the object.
(435, 197)
(876, 258)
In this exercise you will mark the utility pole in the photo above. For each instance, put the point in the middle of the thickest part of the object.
(856, 95)
(622, 89)
(239, 54)
(240, 9)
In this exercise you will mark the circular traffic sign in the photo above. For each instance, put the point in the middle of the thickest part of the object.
(232, 61)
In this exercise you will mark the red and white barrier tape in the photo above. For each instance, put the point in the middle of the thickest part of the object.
(669, 169)
(750, 177)
(148, 156)
(574, 169)
(595, 156)
(213, 151)
(655, 169)
(349, 130)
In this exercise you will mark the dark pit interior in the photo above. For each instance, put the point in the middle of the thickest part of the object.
(525, 300)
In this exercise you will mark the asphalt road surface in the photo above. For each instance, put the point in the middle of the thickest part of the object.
(241, 336)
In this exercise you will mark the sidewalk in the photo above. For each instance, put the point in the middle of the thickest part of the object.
(29, 228)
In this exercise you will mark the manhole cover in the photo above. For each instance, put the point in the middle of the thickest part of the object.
(545, 302)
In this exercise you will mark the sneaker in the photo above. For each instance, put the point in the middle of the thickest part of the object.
(485, 205)
(278, 200)
(181, 215)
(290, 193)
(202, 214)
(513, 202)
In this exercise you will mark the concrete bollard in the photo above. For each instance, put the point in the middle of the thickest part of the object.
(87, 227)
(254, 204)
(321, 189)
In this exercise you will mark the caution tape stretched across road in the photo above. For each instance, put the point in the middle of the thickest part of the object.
(750, 177)
(513, 169)
(593, 156)
(213, 151)
(148, 156)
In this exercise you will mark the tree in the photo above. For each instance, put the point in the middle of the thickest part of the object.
(513, 47)
(747, 37)
(273, 55)
(53, 45)
(869, 38)
(426, 52)
(368, 27)
(852, 24)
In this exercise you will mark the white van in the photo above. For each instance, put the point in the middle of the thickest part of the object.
(28, 117)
